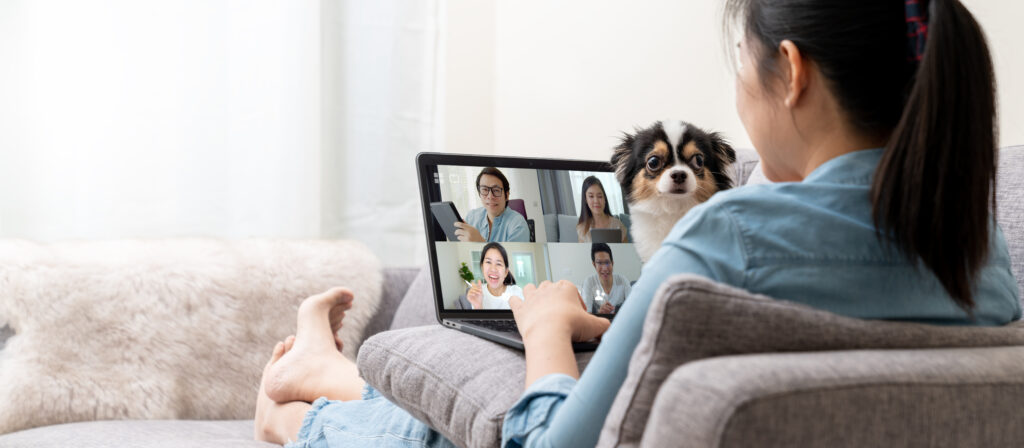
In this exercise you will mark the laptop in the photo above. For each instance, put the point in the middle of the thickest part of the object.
(551, 191)
(606, 235)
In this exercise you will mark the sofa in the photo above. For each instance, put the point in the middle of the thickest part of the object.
(716, 367)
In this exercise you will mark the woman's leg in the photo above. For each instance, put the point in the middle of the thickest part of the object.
(277, 423)
(305, 367)
(313, 366)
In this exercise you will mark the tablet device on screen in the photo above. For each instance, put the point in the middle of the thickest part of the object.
(446, 216)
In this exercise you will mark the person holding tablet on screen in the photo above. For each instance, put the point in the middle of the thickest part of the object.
(493, 222)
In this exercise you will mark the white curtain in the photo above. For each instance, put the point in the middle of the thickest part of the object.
(380, 97)
(244, 118)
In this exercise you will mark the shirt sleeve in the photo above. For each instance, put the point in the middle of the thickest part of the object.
(705, 242)
(625, 291)
(519, 230)
(587, 291)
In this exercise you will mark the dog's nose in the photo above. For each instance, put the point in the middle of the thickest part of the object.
(679, 177)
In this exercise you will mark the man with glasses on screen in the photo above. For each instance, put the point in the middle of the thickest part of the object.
(604, 292)
(494, 222)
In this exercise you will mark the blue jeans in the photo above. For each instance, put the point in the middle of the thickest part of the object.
(373, 421)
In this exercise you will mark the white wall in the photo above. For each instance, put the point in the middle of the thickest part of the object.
(1001, 21)
(569, 76)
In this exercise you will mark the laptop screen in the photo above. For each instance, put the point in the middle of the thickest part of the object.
(495, 225)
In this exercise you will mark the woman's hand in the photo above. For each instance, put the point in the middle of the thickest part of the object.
(465, 232)
(607, 308)
(555, 310)
(476, 295)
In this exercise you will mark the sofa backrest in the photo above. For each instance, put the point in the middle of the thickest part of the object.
(1010, 207)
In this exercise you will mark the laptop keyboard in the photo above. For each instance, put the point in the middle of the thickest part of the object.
(506, 326)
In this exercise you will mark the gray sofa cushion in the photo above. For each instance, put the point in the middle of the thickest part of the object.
(928, 398)
(417, 307)
(397, 284)
(1010, 207)
(459, 384)
(147, 433)
(693, 318)
(746, 166)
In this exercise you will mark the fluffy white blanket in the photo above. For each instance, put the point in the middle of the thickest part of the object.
(159, 329)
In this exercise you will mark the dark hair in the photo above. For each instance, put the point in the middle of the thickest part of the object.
(935, 183)
(493, 172)
(509, 279)
(585, 214)
(600, 247)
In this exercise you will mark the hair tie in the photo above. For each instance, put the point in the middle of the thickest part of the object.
(917, 28)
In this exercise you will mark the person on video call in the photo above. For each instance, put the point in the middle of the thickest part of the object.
(500, 284)
(494, 221)
(606, 284)
(594, 211)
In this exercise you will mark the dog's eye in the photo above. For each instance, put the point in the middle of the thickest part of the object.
(653, 163)
(698, 161)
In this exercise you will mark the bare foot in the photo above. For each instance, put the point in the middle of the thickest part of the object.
(263, 402)
(313, 366)
(290, 341)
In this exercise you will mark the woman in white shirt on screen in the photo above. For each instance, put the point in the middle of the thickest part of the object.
(500, 284)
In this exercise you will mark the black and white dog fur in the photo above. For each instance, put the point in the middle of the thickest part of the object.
(665, 170)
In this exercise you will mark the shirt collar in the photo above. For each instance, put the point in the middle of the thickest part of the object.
(500, 216)
(857, 167)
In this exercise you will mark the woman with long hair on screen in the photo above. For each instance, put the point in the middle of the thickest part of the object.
(498, 285)
(595, 212)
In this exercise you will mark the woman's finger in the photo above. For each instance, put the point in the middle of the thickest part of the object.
(515, 303)
(529, 289)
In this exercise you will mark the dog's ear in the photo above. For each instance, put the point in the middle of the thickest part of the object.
(723, 150)
(621, 156)
(722, 147)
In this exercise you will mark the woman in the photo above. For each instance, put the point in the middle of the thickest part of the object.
(500, 286)
(883, 150)
(494, 221)
(594, 211)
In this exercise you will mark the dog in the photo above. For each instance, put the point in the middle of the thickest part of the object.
(665, 170)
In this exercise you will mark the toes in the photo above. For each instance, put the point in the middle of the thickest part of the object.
(289, 342)
(340, 296)
(278, 352)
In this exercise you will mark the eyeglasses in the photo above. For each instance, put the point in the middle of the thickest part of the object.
(495, 191)
(603, 263)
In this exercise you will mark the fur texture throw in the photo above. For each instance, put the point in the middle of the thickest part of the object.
(160, 329)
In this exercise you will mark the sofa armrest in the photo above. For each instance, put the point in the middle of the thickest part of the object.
(925, 397)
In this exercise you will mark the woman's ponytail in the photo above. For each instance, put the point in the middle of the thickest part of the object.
(934, 188)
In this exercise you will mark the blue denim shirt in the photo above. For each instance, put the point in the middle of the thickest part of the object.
(508, 226)
(812, 242)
